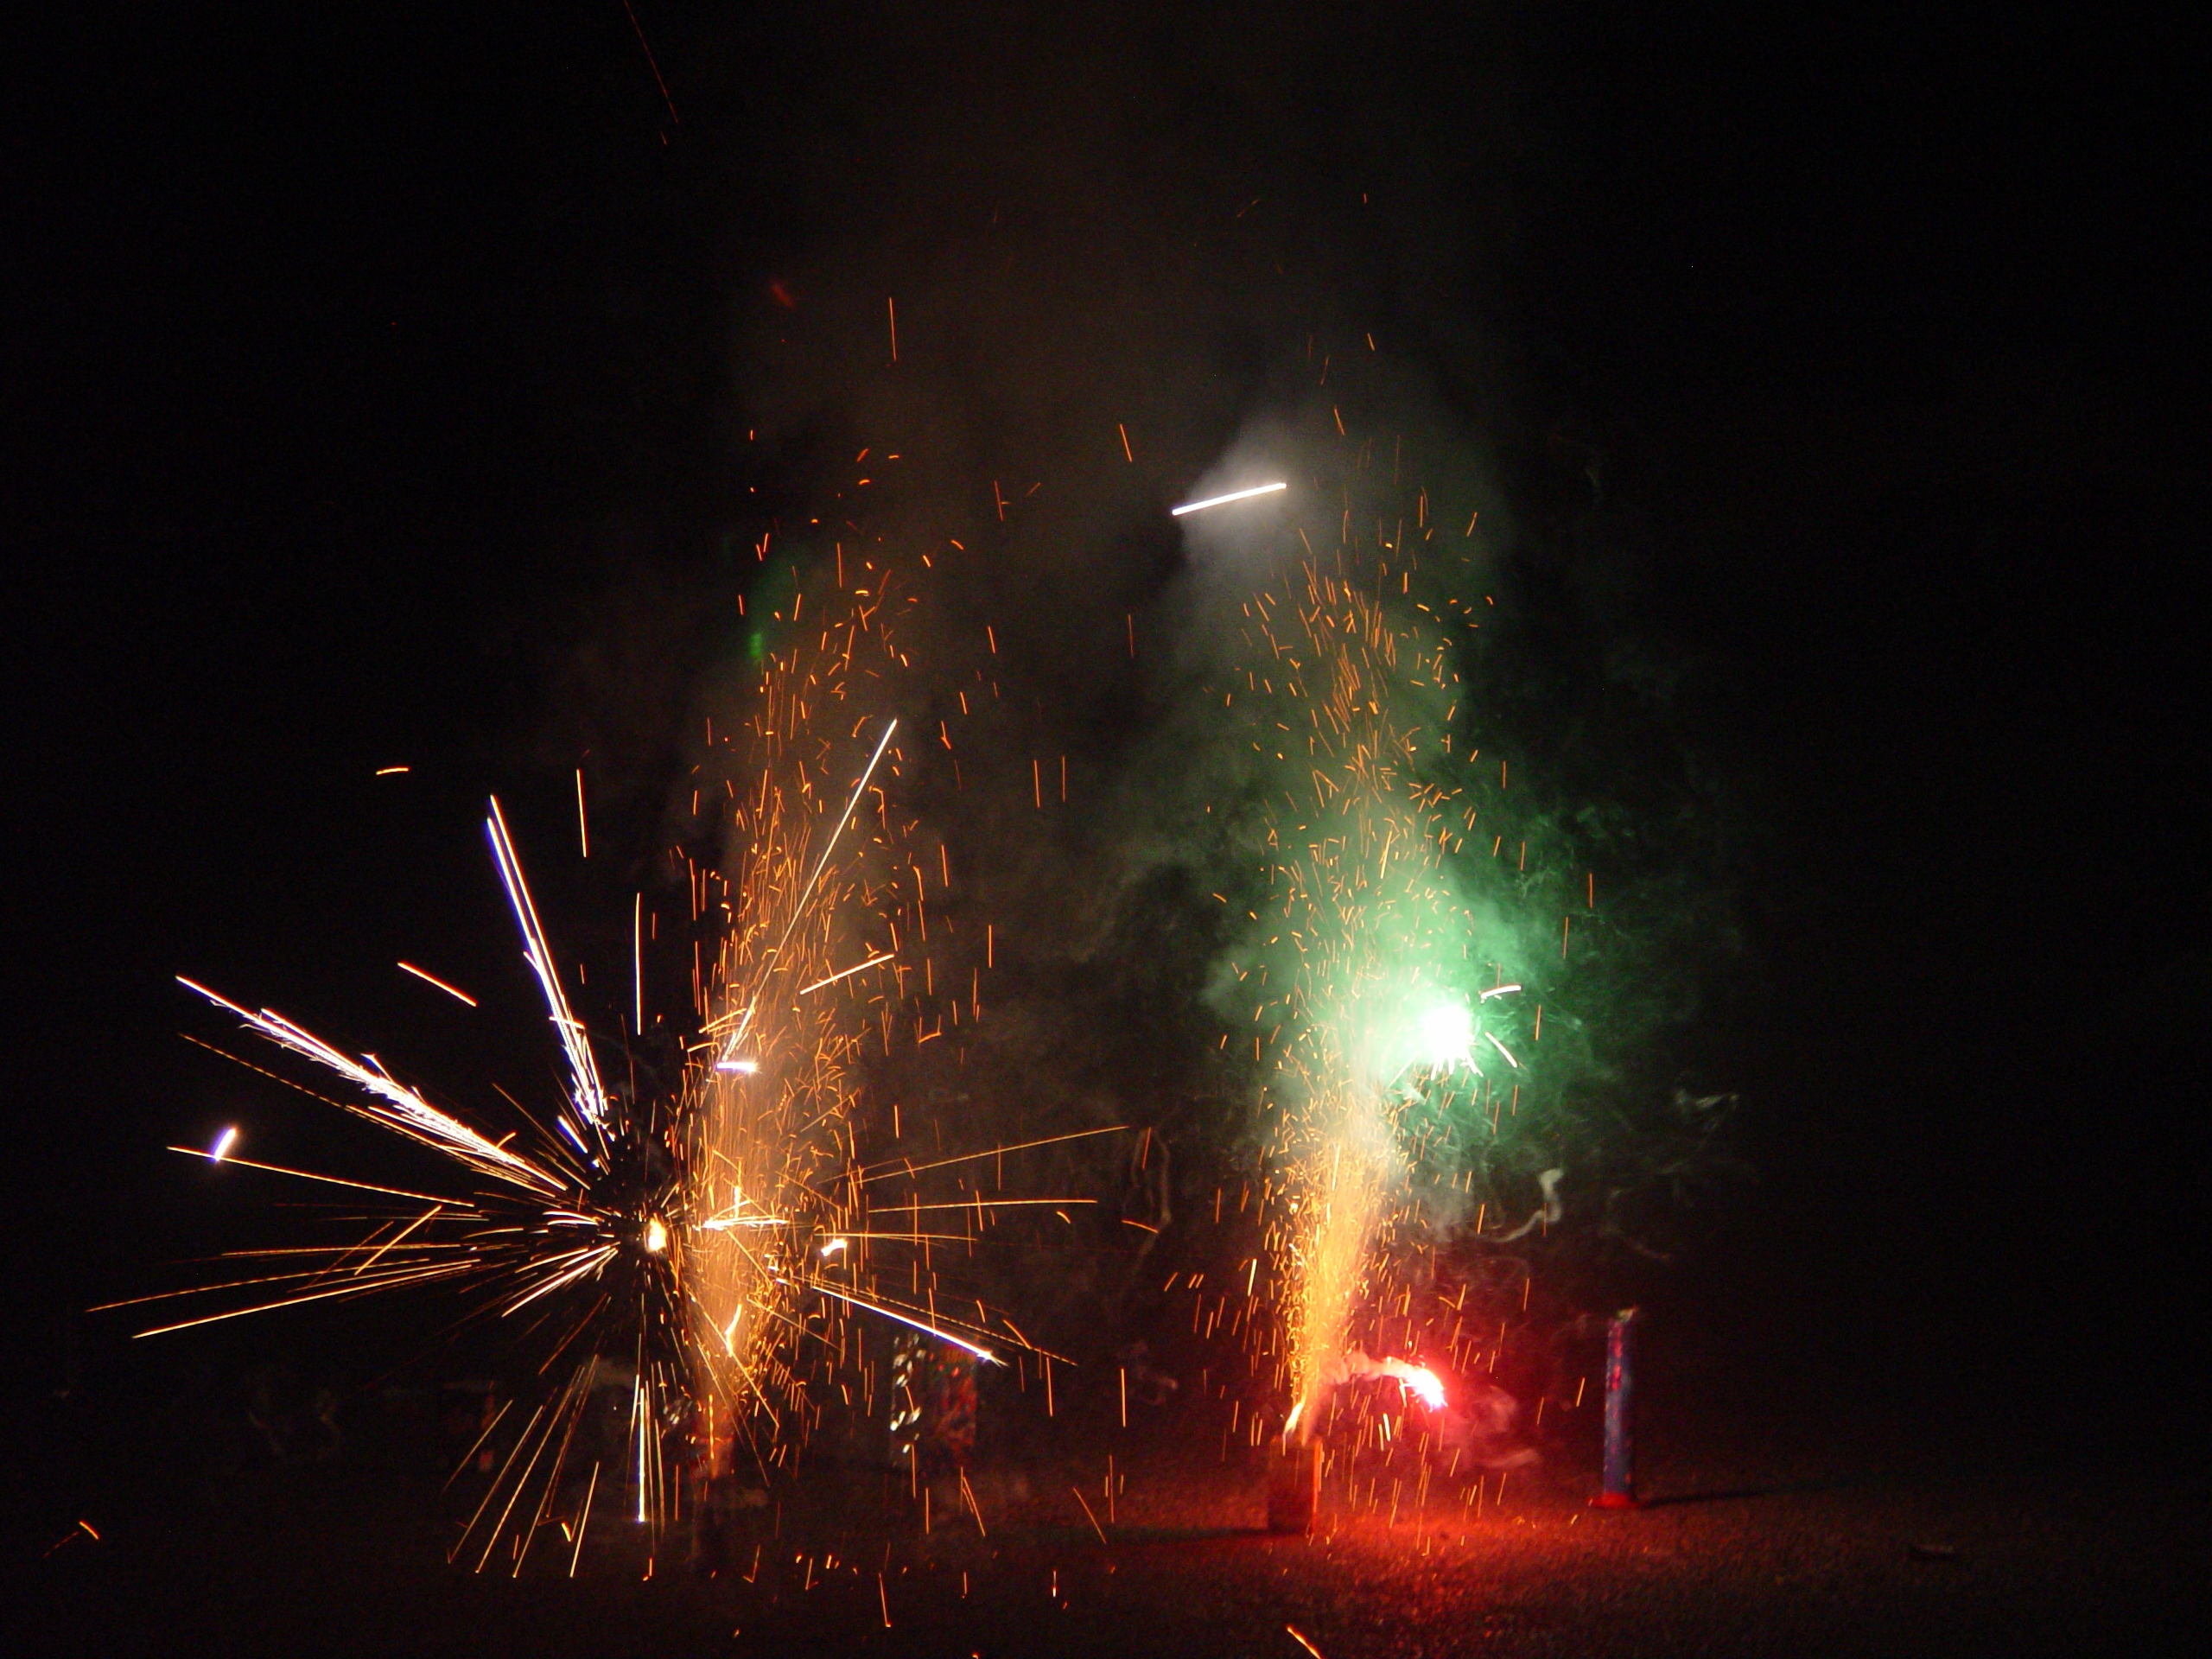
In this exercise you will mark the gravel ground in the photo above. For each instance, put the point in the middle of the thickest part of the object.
(1762, 1550)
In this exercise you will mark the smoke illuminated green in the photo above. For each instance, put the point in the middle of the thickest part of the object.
(1454, 1042)
(1393, 979)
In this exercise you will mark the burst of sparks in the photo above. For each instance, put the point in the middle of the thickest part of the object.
(789, 1231)
(712, 1247)
(1370, 999)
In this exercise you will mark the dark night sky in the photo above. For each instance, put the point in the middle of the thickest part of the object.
(359, 360)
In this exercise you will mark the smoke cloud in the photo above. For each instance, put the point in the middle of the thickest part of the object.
(1031, 284)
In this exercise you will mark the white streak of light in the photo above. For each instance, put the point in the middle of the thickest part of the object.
(806, 893)
(401, 1110)
(432, 979)
(847, 973)
(583, 1071)
(1234, 495)
(983, 1354)
(583, 1519)
(638, 1409)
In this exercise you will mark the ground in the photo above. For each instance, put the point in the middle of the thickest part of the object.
(1783, 1536)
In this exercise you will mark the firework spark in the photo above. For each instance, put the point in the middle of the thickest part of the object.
(791, 1232)
(705, 1253)
(583, 1223)
(1368, 994)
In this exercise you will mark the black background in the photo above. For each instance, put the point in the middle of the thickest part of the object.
(355, 355)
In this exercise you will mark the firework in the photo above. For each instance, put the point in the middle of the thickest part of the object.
(801, 1211)
(566, 1233)
(1381, 1011)
(705, 1253)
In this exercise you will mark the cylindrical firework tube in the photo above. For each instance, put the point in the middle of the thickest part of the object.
(1294, 1484)
(1619, 1486)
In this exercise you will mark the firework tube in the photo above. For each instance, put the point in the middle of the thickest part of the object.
(1294, 1482)
(1620, 1485)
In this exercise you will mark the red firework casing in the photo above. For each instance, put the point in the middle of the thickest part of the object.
(1294, 1486)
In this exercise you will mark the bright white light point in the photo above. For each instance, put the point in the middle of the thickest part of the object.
(747, 1067)
(223, 1142)
(656, 1235)
(1446, 1035)
(833, 1246)
(1427, 1384)
(1234, 495)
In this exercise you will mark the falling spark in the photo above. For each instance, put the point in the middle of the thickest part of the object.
(847, 973)
(223, 1142)
(651, 63)
(1087, 1515)
(432, 979)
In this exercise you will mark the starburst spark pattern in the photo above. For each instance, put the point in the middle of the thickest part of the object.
(565, 1235)
(706, 1255)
